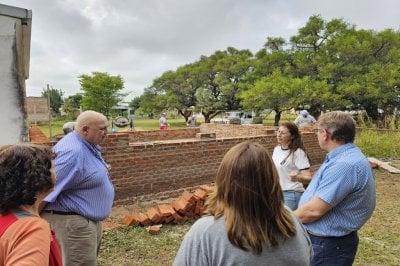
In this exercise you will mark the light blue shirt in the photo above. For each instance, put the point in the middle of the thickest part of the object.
(345, 181)
(83, 185)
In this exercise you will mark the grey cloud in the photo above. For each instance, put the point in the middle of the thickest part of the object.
(140, 40)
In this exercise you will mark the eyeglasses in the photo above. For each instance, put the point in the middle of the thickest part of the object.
(281, 133)
(317, 130)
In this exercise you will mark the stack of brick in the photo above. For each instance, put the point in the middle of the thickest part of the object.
(188, 206)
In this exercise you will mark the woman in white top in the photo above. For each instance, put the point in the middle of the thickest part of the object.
(292, 163)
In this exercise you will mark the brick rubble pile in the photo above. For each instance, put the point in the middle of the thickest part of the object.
(188, 206)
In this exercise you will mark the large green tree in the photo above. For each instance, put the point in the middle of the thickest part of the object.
(223, 75)
(311, 59)
(135, 102)
(327, 65)
(281, 92)
(101, 91)
(366, 69)
(153, 101)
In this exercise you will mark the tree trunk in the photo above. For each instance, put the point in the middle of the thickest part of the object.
(277, 117)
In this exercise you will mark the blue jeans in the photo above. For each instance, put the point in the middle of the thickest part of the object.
(292, 198)
(334, 251)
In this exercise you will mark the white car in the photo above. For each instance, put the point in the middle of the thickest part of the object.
(234, 117)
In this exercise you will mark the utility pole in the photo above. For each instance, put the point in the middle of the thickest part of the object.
(48, 104)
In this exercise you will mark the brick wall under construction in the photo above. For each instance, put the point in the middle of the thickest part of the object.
(148, 165)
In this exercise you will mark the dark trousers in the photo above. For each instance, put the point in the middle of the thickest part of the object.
(334, 251)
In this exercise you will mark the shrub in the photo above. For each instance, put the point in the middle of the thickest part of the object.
(257, 120)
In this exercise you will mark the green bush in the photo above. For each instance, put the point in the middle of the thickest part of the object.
(257, 120)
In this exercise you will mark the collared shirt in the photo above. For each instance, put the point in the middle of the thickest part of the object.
(346, 182)
(83, 184)
(286, 164)
(163, 121)
(302, 121)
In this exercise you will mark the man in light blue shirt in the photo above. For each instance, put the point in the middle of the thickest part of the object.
(83, 195)
(341, 196)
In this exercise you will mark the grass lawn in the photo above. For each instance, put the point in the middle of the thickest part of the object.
(139, 124)
(150, 124)
(379, 238)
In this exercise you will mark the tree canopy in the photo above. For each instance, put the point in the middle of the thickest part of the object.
(101, 91)
(327, 65)
(55, 97)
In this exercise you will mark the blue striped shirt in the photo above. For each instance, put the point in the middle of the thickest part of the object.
(83, 184)
(346, 182)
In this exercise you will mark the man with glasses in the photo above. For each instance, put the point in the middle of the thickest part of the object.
(83, 194)
(341, 196)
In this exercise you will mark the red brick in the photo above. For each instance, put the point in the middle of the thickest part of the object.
(191, 215)
(153, 230)
(202, 194)
(169, 219)
(165, 210)
(130, 219)
(177, 218)
(143, 219)
(188, 196)
(181, 205)
(154, 215)
(199, 206)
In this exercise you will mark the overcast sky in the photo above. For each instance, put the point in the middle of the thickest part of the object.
(141, 39)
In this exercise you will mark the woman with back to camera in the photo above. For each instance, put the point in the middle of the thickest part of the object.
(26, 178)
(292, 163)
(246, 222)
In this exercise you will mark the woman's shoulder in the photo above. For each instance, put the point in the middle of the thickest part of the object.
(31, 224)
(208, 224)
(300, 151)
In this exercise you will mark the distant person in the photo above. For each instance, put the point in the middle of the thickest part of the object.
(163, 122)
(247, 222)
(26, 178)
(191, 121)
(304, 119)
(68, 127)
(292, 163)
(83, 195)
(341, 196)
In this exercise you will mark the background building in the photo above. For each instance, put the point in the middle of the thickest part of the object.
(15, 39)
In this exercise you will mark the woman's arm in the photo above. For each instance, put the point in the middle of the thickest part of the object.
(304, 176)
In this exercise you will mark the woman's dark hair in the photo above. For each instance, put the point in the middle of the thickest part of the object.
(296, 142)
(25, 171)
(249, 196)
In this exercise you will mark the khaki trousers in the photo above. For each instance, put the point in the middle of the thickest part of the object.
(78, 237)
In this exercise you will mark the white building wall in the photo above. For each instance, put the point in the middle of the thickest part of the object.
(13, 71)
